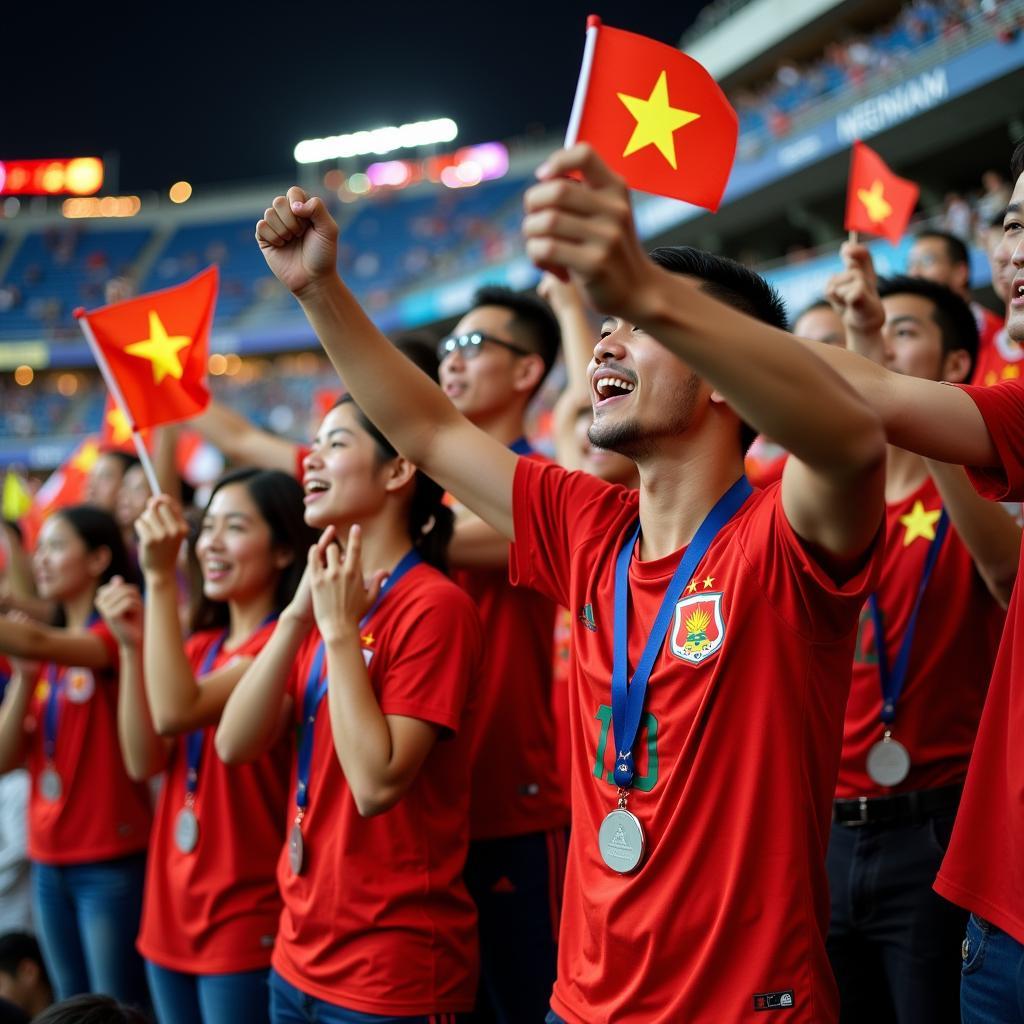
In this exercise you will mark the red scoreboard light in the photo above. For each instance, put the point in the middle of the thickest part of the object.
(77, 176)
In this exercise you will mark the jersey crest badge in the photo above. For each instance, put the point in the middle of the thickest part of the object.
(699, 627)
(80, 685)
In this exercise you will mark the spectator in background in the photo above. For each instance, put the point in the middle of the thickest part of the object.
(943, 258)
(994, 199)
(15, 889)
(91, 1010)
(23, 978)
(820, 322)
(106, 477)
(958, 217)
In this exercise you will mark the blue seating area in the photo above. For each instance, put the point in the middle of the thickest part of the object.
(57, 270)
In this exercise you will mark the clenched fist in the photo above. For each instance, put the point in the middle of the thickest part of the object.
(298, 239)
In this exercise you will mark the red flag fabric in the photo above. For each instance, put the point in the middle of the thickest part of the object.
(658, 118)
(116, 432)
(156, 349)
(877, 201)
(64, 486)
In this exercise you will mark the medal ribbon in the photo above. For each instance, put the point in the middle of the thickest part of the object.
(893, 679)
(194, 740)
(51, 714)
(316, 683)
(628, 700)
(521, 446)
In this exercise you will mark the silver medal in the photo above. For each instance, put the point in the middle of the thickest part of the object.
(186, 830)
(295, 849)
(621, 841)
(888, 761)
(50, 786)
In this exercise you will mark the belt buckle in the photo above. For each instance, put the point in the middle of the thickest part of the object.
(862, 810)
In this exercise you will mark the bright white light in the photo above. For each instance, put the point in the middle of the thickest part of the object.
(379, 141)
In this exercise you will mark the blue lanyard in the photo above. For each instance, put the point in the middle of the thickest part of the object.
(51, 715)
(521, 446)
(316, 683)
(894, 678)
(628, 701)
(194, 740)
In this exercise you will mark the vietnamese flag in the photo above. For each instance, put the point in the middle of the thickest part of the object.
(655, 115)
(64, 486)
(116, 431)
(152, 350)
(877, 201)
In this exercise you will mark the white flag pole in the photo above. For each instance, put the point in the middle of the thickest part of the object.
(112, 386)
(573, 129)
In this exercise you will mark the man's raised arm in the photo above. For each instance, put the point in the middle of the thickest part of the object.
(299, 241)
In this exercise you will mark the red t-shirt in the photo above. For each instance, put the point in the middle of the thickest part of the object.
(736, 761)
(100, 813)
(954, 646)
(516, 785)
(984, 866)
(215, 910)
(998, 355)
(380, 921)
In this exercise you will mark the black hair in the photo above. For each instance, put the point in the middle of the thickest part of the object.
(127, 459)
(532, 320)
(90, 1009)
(431, 522)
(278, 496)
(950, 312)
(729, 282)
(98, 529)
(18, 946)
(1017, 163)
(419, 347)
(956, 250)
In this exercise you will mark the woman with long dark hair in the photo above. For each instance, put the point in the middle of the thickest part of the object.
(211, 902)
(88, 821)
(377, 924)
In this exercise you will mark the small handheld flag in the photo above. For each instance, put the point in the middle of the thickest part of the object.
(877, 201)
(655, 115)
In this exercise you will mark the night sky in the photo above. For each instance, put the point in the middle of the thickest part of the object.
(211, 96)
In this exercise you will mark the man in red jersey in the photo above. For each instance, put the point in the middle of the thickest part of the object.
(943, 258)
(917, 694)
(696, 886)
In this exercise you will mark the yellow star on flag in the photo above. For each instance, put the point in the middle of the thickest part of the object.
(875, 202)
(708, 581)
(120, 428)
(656, 120)
(919, 523)
(87, 457)
(692, 588)
(161, 350)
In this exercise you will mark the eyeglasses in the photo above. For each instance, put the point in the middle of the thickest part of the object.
(470, 344)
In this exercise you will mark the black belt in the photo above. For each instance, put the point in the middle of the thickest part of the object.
(901, 809)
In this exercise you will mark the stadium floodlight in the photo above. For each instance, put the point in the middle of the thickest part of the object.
(378, 141)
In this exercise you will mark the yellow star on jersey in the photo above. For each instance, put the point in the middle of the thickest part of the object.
(86, 458)
(875, 202)
(919, 523)
(1010, 372)
(120, 428)
(692, 588)
(368, 640)
(708, 581)
(656, 120)
(161, 350)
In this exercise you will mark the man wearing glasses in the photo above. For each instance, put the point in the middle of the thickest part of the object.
(490, 368)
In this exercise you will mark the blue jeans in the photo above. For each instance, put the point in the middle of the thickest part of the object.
(553, 1018)
(238, 998)
(88, 918)
(992, 977)
(289, 1005)
(516, 882)
(893, 942)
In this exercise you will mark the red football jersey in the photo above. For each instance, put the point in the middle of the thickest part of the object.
(379, 920)
(999, 356)
(215, 910)
(984, 866)
(736, 762)
(947, 675)
(516, 786)
(100, 813)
